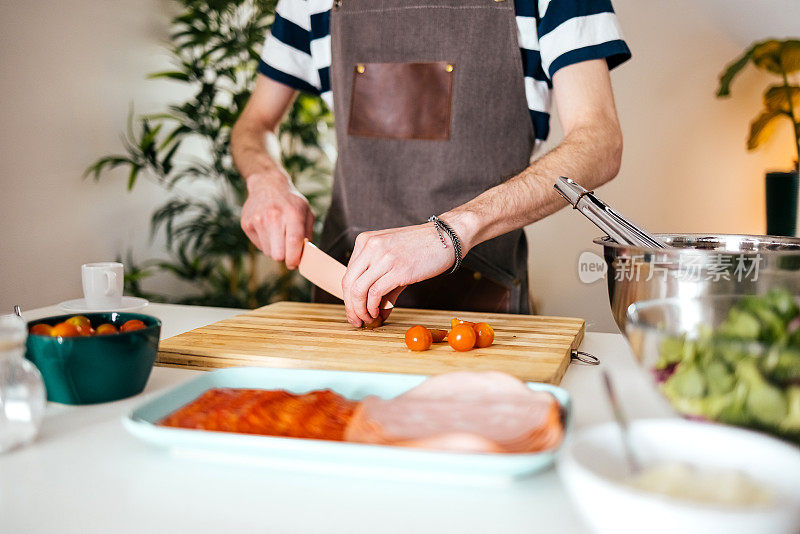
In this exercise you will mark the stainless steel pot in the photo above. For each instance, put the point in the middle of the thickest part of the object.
(699, 265)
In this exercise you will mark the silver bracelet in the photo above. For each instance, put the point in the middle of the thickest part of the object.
(444, 228)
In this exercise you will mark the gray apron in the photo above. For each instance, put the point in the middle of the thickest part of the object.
(430, 112)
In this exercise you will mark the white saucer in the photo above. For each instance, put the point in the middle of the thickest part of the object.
(80, 306)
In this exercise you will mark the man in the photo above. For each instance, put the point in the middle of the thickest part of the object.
(438, 106)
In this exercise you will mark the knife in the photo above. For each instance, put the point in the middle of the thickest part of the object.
(326, 273)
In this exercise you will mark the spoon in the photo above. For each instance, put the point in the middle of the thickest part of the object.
(17, 311)
(634, 466)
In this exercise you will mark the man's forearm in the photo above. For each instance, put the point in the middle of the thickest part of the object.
(275, 216)
(588, 155)
(249, 151)
(261, 116)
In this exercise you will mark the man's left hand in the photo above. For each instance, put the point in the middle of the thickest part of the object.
(385, 260)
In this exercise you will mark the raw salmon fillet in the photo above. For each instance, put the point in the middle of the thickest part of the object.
(464, 412)
(320, 414)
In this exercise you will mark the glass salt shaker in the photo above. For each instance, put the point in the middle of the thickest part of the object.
(22, 394)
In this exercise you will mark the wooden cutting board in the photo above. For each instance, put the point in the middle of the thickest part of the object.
(317, 336)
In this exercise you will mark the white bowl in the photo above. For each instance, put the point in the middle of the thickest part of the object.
(592, 467)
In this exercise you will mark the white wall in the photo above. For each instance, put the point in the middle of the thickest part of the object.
(685, 167)
(70, 70)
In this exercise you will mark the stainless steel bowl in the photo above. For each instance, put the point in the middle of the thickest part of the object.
(698, 266)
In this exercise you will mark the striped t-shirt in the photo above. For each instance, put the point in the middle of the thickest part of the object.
(551, 33)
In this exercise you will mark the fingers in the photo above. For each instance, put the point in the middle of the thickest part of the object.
(300, 227)
(358, 247)
(276, 233)
(280, 236)
(369, 264)
(294, 248)
(262, 239)
(309, 226)
(367, 290)
(383, 262)
(295, 234)
(355, 286)
(375, 294)
(364, 289)
(354, 271)
(252, 235)
(276, 218)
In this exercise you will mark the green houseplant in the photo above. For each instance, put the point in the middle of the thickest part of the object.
(781, 102)
(215, 45)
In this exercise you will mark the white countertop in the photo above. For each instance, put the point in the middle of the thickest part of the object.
(86, 474)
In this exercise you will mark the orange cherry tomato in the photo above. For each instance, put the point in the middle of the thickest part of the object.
(133, 324)
(65, 330)
(462, 337)
(438, 335)
(106, 329)
(456, 321)
(78, 320)
(41, 329)
(374, 324)
(484, 334)
(418, 338)
(82, 323)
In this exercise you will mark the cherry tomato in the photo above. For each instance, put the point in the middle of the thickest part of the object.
(82, 323)
(462, 337)
(106, 329)
(456, 321)
(65, 330)
(438, 335)
(374, 324)
(41, 329)
(418, 338)
(484, 335)
(133, 324)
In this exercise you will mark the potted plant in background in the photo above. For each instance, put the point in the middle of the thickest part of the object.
(781, 100)
(215, 46)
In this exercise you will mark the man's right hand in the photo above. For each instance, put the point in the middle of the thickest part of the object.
(276, 217)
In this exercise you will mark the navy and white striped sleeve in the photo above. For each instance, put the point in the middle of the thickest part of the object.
(286, 56)
(571, 31)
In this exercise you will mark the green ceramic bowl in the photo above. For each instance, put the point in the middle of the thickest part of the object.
(88, 370)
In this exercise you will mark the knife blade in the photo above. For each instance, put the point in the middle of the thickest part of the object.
(321, 270)
(326, 273)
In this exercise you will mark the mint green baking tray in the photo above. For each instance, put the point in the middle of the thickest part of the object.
(319, 456)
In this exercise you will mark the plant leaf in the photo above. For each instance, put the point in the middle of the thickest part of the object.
(166, 162)
(776, 98)
(767, 55)
(761, 128)
(171, 75)
(132, 176)
(215, 46)
(731, 71)
(790, 56)
(109, 162)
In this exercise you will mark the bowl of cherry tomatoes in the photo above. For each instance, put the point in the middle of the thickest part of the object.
(97, 357)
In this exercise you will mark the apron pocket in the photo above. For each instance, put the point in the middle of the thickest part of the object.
(401, 100)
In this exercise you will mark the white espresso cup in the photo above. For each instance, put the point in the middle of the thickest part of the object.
(102, 284)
